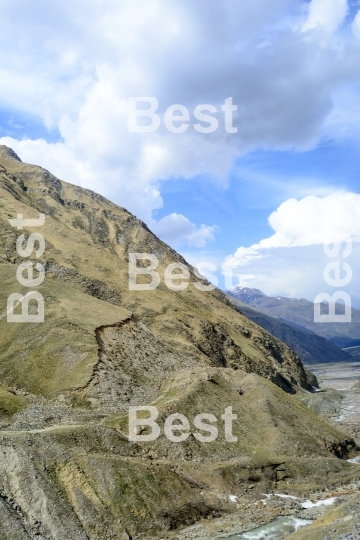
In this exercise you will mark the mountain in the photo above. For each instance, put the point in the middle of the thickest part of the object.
(70, 466)
(300, 314)
(88, 242)
(311, 348)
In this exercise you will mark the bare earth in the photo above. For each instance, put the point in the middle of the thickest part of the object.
(343, 377)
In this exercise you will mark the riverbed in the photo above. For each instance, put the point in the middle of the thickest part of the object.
(342, 377)
(271, 531)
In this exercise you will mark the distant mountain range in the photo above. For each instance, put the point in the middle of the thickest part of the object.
(292, 321)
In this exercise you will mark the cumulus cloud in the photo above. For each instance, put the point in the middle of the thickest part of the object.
(79, 72)
(306, 222)
(76, 65)
(179, 229)
(356, 26)
(314, 220)
(291, 261)
(56, 157)
(327, 15)
(297, 272)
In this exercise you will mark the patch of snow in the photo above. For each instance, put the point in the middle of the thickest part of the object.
(343, 416)
(323, 502)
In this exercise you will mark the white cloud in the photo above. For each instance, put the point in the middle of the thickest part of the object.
(314, 220)
(356, 25)
(176, 228)
(344, 120)
(56, 157)
(80, 65)
(291, 261)
(296, 272)
(75, 66)
(327, 15)
(307, 222)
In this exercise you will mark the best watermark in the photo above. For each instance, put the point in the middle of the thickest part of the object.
(335, 280)
(28, 281)
(177, 426)
(177, 116)
(174, 272)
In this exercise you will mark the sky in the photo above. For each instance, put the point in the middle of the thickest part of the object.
(254, 193)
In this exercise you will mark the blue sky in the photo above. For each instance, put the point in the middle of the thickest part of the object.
(292, 69)
(19, 125)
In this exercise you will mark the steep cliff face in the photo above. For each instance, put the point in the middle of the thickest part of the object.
(68, 466)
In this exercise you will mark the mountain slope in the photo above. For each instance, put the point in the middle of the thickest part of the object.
(88, 241)
(311, 348)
